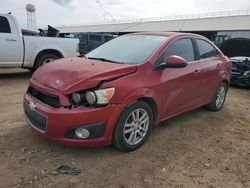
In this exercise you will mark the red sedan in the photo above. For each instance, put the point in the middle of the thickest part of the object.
(120, 90)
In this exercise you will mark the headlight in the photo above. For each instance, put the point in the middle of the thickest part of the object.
(90, 97)
(246, 73)
(103, 96)
(77, 98)
(99, 97)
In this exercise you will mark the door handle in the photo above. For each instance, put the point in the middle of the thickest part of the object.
(11, 40)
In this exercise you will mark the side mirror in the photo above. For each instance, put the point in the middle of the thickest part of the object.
(173, 61)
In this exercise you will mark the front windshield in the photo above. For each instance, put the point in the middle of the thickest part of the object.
(128, 49)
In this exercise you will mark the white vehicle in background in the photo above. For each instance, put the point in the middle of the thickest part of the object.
(20, 50)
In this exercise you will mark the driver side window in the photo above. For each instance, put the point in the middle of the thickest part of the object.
(182, 48)
(5, 26)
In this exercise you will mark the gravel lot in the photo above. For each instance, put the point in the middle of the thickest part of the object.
(196, 149)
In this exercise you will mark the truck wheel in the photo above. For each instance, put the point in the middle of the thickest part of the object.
(45, 58)
(133, 127)
(219, 98)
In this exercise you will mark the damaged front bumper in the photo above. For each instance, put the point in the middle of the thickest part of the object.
(58, 124)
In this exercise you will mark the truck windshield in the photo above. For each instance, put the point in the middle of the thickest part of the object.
(128, 49)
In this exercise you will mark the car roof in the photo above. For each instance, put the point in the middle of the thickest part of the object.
(167, 34)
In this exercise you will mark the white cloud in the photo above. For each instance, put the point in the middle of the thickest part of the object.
(69, 12)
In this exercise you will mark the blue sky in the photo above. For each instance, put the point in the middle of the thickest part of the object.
(70, 12)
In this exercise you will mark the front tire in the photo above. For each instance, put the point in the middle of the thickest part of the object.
(133, 127)
(219, 98)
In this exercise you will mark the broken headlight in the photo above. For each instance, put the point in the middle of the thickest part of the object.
(246, 73)
(95, 97)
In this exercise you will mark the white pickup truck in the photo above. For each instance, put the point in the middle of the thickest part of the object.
(18, 50)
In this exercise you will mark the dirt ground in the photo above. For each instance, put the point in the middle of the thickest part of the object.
(196, 149)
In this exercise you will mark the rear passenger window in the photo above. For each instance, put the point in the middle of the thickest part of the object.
(206, 50)
(182, 48)
(4, 25)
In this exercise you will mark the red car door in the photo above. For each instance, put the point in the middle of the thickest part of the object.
(210, 64)
(180, 87)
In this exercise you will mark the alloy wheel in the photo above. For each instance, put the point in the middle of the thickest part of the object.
(136, 126)
(221, 93)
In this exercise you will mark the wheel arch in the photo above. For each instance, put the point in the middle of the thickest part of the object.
(41, 51)
(226, 82)
(52, 51)
(152, 105)
(146, 95)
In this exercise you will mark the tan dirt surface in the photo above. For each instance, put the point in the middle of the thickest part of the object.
(196, 149)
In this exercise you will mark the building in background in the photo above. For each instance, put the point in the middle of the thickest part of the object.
(217, 26)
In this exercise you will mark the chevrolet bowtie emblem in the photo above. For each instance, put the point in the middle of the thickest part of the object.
(32, 106)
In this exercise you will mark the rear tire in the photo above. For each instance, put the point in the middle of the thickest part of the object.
(44, 59)
(219, 98)
(133, 127)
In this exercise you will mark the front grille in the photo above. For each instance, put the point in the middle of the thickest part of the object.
(236, 71)
(36, 120)
(48, 99)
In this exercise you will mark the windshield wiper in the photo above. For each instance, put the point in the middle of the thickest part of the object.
(104, 59)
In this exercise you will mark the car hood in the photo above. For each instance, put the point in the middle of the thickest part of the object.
(239, 58)
(240, 64)
(74, 74)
